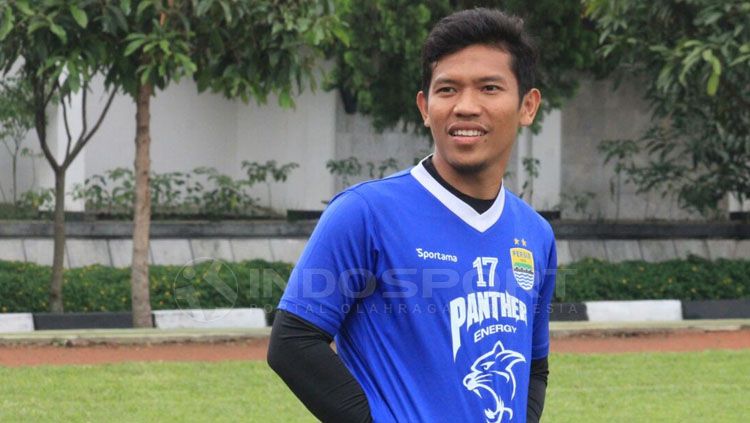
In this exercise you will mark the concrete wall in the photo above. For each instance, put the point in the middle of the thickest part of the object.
(598, 112)
(180, 251)
(355, 136)
(191, 130)
(305, 135)
(187, 130)
(26, 173)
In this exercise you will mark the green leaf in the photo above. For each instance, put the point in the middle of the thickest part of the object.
(136, 36)
(713, 84)
(125, 6)
(145, 75)
(164, 45)
(73, 82)
(142, 6)
(740, 59)
(343, 35)
(133, 46)
(203, 7)
(713, 60)
(23, 6)
(285, 100)
(7, 24)
(79, 15)
(227, 11)
(59, 31)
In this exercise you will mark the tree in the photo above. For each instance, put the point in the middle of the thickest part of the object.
(58, 54)
(694, 57)
(379, 74)
(16, 120)
(243, 49)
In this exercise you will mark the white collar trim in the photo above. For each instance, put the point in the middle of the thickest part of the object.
(480, 222)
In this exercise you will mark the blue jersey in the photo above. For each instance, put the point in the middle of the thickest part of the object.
(436, 310)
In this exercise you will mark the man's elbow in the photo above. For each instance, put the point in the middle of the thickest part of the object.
(273, 358)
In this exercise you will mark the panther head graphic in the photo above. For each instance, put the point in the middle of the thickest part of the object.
(496, 364)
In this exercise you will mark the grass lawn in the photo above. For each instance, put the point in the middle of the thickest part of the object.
(668, 387)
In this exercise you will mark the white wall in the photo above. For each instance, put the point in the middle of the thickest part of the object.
(28, 168)
(190, 130)
(26, 176)
(598, 112)
(355, 136)
(187, 130)
(545, 147)
(304, 135)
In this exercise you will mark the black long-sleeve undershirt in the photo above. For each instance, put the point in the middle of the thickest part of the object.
(300, 353)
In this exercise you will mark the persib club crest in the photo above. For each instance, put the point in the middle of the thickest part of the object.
(522, 261)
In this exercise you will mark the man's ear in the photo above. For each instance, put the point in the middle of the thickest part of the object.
(529, 106)
(422, 106)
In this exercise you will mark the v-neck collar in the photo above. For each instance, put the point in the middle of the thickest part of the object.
(480, 222)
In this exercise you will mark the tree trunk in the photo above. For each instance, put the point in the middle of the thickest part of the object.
(139, 283)
(55, 291)
(15, 179)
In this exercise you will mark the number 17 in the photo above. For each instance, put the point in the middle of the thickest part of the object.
(483, 261)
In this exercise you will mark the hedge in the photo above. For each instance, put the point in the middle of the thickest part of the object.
(691, 279)
(24, 286)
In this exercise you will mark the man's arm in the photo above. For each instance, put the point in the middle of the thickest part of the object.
(301, 354)
(540, 340)
(537, 389)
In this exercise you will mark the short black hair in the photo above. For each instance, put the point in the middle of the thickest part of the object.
(482, 26)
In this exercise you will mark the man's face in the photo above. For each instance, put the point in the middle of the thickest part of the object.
(473, 110)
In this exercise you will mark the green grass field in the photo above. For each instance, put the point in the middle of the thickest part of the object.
(668, 387)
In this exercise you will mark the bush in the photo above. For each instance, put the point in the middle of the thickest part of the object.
(691, 279)
(24, 287)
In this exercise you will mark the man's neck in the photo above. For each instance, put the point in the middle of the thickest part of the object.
(484, 184)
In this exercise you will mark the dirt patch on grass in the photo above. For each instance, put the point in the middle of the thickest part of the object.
(676, 341)
(35, 355)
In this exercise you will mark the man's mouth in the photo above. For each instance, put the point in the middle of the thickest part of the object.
(467, 132)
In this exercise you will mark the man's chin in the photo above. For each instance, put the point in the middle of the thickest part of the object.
(468, 167)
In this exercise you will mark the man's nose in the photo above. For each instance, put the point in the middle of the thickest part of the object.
(467, 104)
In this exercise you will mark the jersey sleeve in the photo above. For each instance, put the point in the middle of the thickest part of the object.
(540, 337)
(336, 267)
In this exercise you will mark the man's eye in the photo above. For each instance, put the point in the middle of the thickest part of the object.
(446, 90)
(491, 88)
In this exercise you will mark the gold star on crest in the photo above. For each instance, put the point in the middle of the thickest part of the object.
(515, 241)
(523, 242)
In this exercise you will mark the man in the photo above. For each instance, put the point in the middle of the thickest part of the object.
(435, 282)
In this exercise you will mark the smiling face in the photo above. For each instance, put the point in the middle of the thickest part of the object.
(473, 112)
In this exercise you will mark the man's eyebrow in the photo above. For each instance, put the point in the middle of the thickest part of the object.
(489, 78)
(445, 80)
(492, 78)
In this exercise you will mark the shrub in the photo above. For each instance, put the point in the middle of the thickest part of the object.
(24, 287)
(691, 279)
